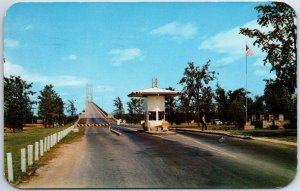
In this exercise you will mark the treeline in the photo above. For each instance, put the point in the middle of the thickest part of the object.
(135, 110)
(279, 44)
(18, 106)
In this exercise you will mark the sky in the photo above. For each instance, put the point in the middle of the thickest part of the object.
(120, 47)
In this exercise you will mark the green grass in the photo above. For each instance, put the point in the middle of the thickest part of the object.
(209, 127)
(82, 121)
(280, 134)
(13, 142)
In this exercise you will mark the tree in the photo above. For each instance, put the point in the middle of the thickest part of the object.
(195, 81)
(135, 106)
(170, 106)
(71, 109)
(258, 106)
(222, 103)
(135, 110)
(279, 43)
(119, 109)
(51, 106)
(17, 103)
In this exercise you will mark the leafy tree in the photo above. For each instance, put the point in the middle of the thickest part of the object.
(17, 103)
(170, 106)
(258, 106)
(119, 109)
(51, 106)
(135, 106)
(279, 43)
(278, 100)
(71, 109)
(135, 110)
(195, 81)
(222, 103)
(237, 106)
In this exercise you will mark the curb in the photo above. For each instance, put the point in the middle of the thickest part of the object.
(241, 136)
(115, 132)
(160, 133)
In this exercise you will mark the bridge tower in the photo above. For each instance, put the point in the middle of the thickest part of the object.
(89, 93)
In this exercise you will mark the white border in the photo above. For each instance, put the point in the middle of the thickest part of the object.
(4, 6)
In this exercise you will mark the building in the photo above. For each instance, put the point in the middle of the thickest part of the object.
(154, 104)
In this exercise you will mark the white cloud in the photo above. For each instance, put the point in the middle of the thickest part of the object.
(259, 62)
(266, 73)
(232, 44)
(103, 88)
(176, 30)
(123, 55)
(64, 80)
(71, 57)
(261, 72)
(11, 43)
(28, 27)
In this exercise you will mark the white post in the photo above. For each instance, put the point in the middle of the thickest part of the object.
(45, 144)
(10, 168)
(36, 151)
(41, 147)
(30, 154)
(48, 143)
(23, 160)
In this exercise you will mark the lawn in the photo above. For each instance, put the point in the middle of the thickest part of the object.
(13, 142)
(280, 134)
(209, 127)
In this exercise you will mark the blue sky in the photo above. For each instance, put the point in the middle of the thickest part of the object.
(120, 47)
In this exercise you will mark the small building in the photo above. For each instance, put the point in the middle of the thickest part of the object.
(154, 104)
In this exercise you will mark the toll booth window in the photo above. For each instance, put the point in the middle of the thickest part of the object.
(152, 115)
(161, 115)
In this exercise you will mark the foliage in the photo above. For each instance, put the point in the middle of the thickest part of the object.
(196, 92)
(279, 101)
(222, 103)
(170, 107)
(51, 107)
(135, 110)
(17, 103)
(279, 43)
(119, 109)
(71, 109)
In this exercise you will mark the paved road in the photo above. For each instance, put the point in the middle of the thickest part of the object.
(186, 160)
(94, 114)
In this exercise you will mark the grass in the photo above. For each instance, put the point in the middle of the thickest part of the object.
(209, 127)
(13, 142)
(82, 121)
(280, 134)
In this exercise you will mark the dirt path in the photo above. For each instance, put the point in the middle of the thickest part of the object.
(55, 174)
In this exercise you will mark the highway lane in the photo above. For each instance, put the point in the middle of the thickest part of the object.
(139, 160)
(94, 114)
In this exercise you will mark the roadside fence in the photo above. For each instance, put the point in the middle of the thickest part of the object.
(34, 152)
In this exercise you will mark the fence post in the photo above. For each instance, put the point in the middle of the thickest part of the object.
(41, 147)
(10, 168)
(48, 143)
(45, 144)
(23, 160)
(36, 151)
(30, 154)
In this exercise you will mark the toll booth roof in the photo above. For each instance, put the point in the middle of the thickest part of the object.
(153, 92)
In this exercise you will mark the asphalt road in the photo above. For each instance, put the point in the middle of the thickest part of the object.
(186, 160)
(94, 114)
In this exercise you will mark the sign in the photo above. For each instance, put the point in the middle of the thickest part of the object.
(165, 124)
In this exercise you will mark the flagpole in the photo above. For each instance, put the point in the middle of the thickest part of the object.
(246, 88)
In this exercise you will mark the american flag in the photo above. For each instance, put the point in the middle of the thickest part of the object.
(248, 51)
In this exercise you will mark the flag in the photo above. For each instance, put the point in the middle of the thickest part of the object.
(248, 51)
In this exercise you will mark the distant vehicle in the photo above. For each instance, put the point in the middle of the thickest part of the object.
(217, 122)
